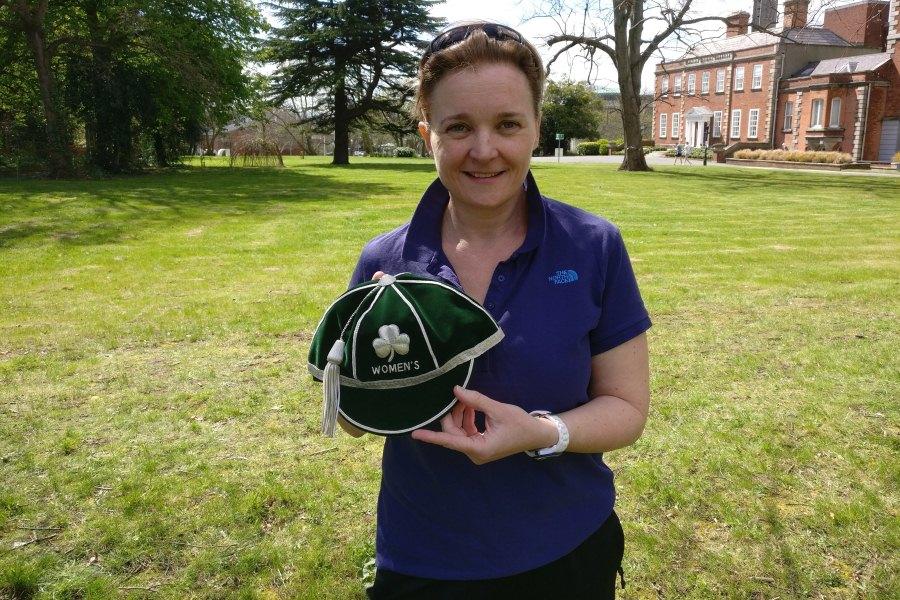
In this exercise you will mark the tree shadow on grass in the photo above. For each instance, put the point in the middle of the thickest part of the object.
(408, 167)
(110, 210)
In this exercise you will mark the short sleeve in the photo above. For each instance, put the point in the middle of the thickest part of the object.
(360, 273)
(622, 312)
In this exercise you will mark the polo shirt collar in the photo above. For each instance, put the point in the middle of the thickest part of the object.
(423, 238)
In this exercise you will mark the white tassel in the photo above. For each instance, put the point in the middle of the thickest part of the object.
(332, 388)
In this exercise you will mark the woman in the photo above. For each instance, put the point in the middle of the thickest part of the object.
(509, 496)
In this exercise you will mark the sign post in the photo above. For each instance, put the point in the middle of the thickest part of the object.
(559, 150)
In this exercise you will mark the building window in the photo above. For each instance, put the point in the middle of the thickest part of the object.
(717, 124)
(834, 119)
(752, 123)
(815, 114)
(676, 125)
(739, 79)
(757, 77)
(788, 116)
(735, 125)
(692, 84)
(720, 80)
(664, 85)
(704, 83)
(663, 124)
(677, 84)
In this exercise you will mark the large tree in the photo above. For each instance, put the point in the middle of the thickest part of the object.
(29, 19)
(571, 108)
(628, 32)
(136, 78)
(350, 59)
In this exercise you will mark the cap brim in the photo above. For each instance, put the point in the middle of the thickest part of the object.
(401, 410)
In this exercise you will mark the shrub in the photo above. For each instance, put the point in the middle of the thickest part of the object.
(808, 156)
(404, 152)
(592, 148)
(896, 158)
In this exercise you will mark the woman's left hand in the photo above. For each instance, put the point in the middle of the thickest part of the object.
(508, 429)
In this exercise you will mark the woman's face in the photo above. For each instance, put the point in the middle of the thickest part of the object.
(481, 132)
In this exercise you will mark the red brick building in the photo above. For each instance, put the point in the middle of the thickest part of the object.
(835, 87)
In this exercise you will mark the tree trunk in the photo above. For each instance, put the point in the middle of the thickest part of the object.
(628, 66)
(631, 122)
(341, 127)
(59, 159)
(113, 143)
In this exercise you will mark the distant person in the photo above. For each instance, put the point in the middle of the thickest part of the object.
(508, 496)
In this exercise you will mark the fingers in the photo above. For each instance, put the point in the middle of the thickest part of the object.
(468, 422)
(377, 275)
(476, 400)
(447, 440)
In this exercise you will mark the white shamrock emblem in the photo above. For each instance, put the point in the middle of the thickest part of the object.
(390, 340)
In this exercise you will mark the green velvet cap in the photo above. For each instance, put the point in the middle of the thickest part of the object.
(390, 352)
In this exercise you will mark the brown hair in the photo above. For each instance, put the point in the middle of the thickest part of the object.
(478, 49)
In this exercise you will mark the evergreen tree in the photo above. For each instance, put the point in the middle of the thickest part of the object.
(351, 58)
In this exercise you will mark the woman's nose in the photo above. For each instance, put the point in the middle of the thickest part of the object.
(484, 146)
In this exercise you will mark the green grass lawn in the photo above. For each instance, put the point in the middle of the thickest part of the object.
(158, 429)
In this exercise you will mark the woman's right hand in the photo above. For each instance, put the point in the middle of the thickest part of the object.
(345, 425)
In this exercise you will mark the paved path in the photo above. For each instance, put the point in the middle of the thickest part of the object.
(658, 158)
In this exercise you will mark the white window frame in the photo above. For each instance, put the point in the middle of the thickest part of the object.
(704, 83)
(756, 83)
(735, 125)
(663, 125)
(788, 124)
(717, 124)
(720, 80)
(834, 117)
(739, 79)
(677, 86)
(753, 124)
(692, 84)
(816, 113)
(664, 85)
(676, 125)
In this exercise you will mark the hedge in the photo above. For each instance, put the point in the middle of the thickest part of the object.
(834, 158)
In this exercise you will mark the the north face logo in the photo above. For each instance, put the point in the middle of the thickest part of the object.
(563, 277)
(390, 340)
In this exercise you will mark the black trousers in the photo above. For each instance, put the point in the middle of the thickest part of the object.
(586, 573)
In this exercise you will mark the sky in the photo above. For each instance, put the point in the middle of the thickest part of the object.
(520, 15)
(523, 15)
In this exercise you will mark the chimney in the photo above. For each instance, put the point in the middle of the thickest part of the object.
(795, 13)
(736, 24)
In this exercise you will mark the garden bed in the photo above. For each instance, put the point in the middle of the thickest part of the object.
(788, 164)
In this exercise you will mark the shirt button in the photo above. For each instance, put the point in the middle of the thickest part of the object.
(490, 305)
(501, 278)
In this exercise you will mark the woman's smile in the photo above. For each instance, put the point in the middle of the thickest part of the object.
(482, 131)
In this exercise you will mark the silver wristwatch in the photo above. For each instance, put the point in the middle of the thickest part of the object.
(561, 444)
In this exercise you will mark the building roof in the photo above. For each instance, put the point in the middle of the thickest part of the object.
(832, 66)
(816, 36)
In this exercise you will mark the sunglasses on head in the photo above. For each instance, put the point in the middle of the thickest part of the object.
(457, 34)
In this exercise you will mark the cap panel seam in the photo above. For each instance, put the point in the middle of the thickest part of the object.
(437, 364)
(356, 331)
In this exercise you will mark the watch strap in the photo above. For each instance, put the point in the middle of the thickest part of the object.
(561, 443)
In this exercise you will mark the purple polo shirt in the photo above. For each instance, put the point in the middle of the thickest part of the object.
(567, 294)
